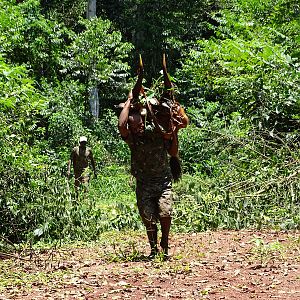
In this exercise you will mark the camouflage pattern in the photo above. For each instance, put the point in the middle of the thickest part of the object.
(150, 166)
(154, 199)
(149, 157)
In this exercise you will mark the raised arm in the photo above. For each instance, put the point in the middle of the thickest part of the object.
(123, 119)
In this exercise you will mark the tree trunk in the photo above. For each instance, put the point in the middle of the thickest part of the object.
(94, 99)
(91, 9)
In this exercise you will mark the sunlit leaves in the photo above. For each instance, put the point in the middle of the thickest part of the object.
(256, 76)
(29, 38)
(97, 54)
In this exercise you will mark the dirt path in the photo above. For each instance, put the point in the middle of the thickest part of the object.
(211, 265)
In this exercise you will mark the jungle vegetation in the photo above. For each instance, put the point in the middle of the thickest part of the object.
(236, 66)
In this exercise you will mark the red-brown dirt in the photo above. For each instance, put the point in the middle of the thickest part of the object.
(210, 265)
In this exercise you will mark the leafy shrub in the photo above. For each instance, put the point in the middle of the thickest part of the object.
(106, 130)
(29, 38)
(258, 201)
(64, 128)
(96, 57)
(256, 78)
(242, 147)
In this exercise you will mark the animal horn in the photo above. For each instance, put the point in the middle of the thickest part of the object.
(167, 81)
(138, 85)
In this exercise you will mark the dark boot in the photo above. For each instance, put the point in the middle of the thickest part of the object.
(152, 237)
(165, 230)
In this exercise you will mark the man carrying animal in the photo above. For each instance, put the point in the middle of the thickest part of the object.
(150, 148)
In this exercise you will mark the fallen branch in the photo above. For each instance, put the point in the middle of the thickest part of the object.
(7, 255)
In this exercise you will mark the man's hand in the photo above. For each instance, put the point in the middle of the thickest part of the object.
(130, 96)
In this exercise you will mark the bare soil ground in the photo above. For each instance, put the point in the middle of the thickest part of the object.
(210, 265)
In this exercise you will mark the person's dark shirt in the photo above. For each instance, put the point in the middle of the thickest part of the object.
(149, 156)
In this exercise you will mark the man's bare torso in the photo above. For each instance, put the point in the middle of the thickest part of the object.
(80, 158)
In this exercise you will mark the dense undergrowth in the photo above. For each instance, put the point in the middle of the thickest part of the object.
(239, 80)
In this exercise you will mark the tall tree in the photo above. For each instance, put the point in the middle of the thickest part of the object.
(160, 26)
(93, 93)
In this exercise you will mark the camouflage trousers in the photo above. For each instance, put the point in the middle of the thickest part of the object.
(154, 199)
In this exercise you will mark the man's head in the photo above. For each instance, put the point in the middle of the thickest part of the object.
(136, 124)
(82, 140)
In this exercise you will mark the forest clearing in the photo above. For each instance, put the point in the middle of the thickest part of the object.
(209, 265)
(106, 105)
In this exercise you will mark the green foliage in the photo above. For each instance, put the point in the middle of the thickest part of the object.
(20, 104)
(38, 130)
(239, 80)
(28, 38)
(106, 131)
(45, 207)
(67, 11)
(95, 55)
(251, 68)
(242, 89)
(256, 78)
(265, 252)
(96, 58)
(63, 127)
(159, 26)
(20, 107)
(68, 94)
(248, 202)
